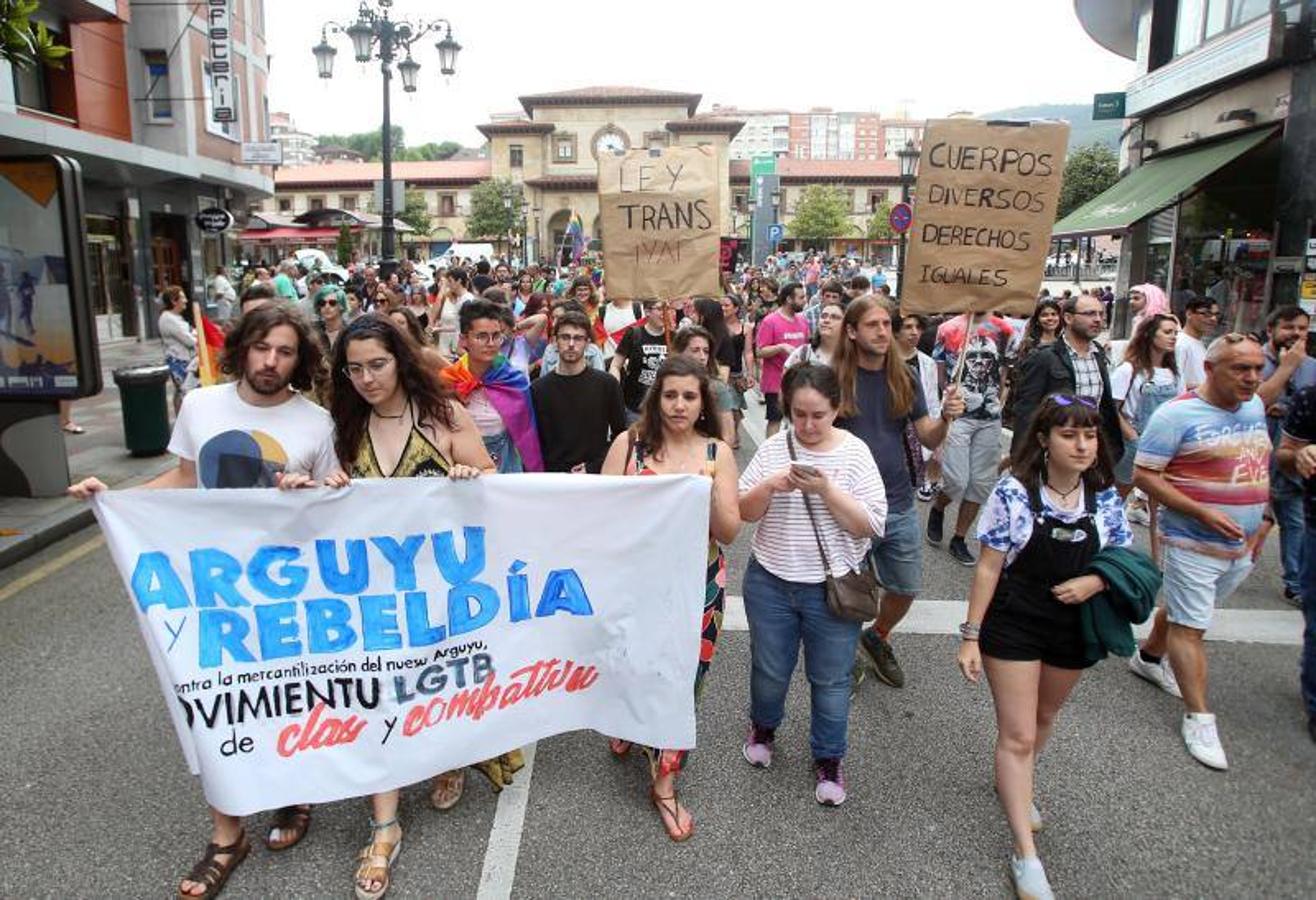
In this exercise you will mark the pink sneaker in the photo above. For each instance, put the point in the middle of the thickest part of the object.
(758, 746)
(830, 790)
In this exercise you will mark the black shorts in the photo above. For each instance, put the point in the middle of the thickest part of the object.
(774, 406)
(1023, 629)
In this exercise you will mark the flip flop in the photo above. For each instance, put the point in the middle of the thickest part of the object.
(74, 428)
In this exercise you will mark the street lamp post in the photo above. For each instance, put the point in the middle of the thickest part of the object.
(908, 156)
(375, 34)
(507, 207)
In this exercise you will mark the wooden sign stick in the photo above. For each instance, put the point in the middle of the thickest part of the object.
(969, 318)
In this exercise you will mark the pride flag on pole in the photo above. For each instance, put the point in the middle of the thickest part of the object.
(576, 234)
(209, 347)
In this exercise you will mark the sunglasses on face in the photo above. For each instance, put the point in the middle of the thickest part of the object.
(1069, 400)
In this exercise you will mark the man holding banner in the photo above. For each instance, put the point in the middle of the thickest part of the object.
(255, 432)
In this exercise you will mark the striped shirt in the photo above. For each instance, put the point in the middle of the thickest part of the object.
(784, 543)
(1218, 457)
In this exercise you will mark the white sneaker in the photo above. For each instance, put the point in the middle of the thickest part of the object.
(1159, 674)
(1203, 740)
(1030, 879)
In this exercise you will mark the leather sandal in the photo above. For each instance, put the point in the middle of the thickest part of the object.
(377, 860)
(292, 823)
(671, 807)
(446, 789)
(212, 873)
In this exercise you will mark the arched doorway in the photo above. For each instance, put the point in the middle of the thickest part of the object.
(557, 230)
(596, 234)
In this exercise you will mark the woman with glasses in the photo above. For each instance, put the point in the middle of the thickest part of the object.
(330, 314)
(393, 418)
(495, 392)
(822, 346)
(1039, 530)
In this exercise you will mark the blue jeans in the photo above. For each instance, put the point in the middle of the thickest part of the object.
(1286, 502)
(781, 614)
(1309, 619)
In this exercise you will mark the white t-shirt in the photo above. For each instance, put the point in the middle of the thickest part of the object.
(1126, 388)
(614, 320)
(783, 542)
(1190, 359)
(237, 445)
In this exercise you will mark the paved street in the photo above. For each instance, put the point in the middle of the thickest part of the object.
(102, 805)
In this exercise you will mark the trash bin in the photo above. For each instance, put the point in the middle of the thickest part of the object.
(145, 408)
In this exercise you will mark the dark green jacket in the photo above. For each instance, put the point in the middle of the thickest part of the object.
(1132, 582)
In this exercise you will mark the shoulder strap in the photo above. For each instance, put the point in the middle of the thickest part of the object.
(817, 535)
(1035, 497)
(1090, 499)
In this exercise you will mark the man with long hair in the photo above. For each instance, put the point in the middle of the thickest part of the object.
(880, 397)
(255, 431)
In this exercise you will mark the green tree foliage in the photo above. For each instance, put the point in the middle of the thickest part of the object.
(416, 213)
(1088, 171)
(879, 223)
(822, 213)
(346, 244)
(367, 143)
(489, 216)
(26, 43)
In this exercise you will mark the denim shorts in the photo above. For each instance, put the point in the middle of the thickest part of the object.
(898, 553)
(1196, 583)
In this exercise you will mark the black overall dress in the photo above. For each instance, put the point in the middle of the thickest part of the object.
(1025, 621)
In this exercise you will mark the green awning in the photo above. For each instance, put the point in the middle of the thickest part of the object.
(1153, 186)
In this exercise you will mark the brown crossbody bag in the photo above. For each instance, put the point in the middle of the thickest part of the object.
(854, 595)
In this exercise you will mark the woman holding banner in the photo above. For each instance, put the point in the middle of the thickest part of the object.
(394, 418)
(818, 497)
(679, 432)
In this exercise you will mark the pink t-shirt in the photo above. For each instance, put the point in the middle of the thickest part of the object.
(776, 329)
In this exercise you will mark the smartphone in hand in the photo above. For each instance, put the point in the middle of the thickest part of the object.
(805, 470)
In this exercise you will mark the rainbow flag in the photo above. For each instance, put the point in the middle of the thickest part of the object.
(209, 348)
(576, 234)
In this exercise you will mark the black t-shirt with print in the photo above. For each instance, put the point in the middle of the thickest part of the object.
(644, 353)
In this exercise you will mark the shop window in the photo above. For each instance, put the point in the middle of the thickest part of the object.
(564, 148)
(447, 205)
(228, 130)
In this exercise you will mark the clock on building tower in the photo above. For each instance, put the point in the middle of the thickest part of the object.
(610, 140)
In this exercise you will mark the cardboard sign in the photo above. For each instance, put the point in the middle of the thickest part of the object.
(660, 221)
(985, 202)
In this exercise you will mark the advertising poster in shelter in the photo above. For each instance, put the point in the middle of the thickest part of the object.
(317, 645)
(660, 215)
(984, 204)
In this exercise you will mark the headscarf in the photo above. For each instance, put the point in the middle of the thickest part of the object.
(1157, 304)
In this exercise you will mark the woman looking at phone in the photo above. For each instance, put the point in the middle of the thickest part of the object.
(833, 472)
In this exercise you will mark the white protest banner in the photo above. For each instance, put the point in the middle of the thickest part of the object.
(659, 213)
(984, 205)
(219, 40)
(317, 645)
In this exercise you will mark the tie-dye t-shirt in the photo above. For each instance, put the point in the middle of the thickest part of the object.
(1218, 457)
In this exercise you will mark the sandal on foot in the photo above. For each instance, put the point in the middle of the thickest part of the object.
(213, 874)
(619, 747)
(292, 823)
(74, 428)
(377, 860)
(669, 809)
(446, 789)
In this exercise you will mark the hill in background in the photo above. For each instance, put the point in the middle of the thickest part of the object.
(1082, 130)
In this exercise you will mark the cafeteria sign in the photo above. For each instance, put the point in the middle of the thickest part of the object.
(220, 41)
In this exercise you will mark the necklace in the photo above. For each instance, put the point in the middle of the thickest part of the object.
(405, 409)
(1064, 496)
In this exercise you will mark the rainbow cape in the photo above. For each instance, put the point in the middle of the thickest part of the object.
(508, 389)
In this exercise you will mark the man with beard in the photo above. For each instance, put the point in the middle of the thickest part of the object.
(255, 431)
(1287, 370)
(778, 334)
(1075, 366)
(972, 451)
(578, 409)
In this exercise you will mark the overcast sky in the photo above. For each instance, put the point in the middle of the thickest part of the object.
(931, 56)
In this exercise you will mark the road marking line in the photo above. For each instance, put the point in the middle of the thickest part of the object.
(50, 567)
(1246, 626)
(499, 872)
